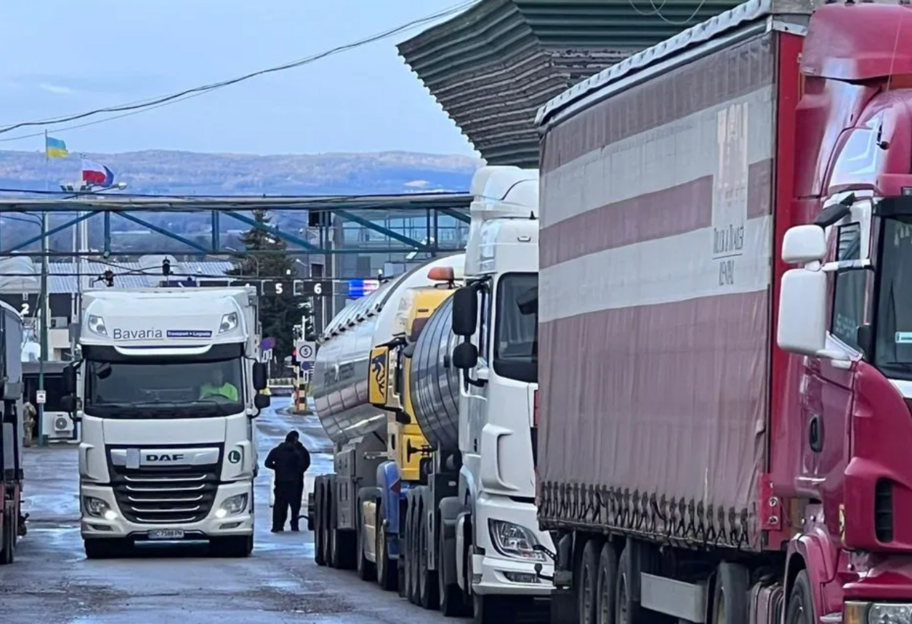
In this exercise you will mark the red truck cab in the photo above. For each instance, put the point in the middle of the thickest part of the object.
(841, 461)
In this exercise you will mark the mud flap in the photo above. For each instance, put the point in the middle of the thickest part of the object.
(446, 564)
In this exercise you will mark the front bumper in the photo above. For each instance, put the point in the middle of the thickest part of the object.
(497, 574)
(239, 524)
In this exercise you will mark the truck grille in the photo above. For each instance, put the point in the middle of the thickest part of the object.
(165, 496)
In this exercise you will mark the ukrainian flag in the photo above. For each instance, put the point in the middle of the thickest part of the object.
(55, 148)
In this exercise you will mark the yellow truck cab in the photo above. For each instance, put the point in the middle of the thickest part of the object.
(388, 389)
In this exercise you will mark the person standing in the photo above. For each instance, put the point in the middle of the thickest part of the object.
(289, 460)
(28, 423)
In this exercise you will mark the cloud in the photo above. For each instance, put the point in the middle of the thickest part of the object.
(54, 88)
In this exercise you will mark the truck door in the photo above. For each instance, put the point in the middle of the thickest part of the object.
(828, 386)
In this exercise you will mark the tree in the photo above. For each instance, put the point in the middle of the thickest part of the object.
(278, 313)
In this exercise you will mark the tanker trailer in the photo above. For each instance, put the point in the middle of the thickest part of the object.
(356, 428)
(429, 550)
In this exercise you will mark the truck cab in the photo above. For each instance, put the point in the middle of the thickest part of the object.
(496, 316)
(407, 447)
(167, 394)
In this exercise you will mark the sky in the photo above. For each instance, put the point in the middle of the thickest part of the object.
(62, 57)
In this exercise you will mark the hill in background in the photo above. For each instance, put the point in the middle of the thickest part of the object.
(190, 173)
(160, 172)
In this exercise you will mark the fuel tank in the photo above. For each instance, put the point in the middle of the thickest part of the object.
(434, 381)
(339, 384)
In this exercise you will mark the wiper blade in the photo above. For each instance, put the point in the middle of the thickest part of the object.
(906, 366)
(221, 408)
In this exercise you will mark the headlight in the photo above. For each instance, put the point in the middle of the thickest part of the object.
(229, 322)
(98, 508)
(513, 540)
(232, 505)
(97, 325)
(883, 613)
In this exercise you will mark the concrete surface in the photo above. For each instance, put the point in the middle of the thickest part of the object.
(52, 583)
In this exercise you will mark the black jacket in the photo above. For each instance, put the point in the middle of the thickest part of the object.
(289, 461)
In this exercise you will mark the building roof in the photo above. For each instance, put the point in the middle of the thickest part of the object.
(62, 275)
(494, 65)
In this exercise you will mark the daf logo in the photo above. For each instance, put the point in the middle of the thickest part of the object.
(164, 457)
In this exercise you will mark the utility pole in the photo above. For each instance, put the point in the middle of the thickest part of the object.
(43, 305)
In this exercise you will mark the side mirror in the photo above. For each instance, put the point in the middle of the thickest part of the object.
(802, 311)
(804, 243)
(68, 403)
(465, 356)
(261, 401)
(260, 377)
(69, 379)
(465, 311)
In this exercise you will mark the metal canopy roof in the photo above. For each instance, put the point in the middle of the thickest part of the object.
(494, 65)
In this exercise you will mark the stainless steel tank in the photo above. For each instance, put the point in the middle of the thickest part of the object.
(339, 383)
(434, 381)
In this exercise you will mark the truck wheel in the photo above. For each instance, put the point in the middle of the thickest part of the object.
(452, 602)
(731, 594)
(387, 572)
(427, 578)
(363, 565)
(606, 582)
(105, 548)
(413, 555)
(231, 547)
(587, 575)
(402, 562)
(800, 606)
(7, 539)
(626, 609)
(316, 516)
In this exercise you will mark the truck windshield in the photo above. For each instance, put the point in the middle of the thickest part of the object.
(172, 389)
(516, 331)
(893, 324)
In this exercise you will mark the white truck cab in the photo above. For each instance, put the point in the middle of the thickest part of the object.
(496, 316)
(166, 395)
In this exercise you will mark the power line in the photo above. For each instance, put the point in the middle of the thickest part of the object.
(143, 105)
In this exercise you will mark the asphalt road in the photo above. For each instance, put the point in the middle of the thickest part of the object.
(52, 583)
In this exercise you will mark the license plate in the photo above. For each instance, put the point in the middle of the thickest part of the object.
(166, 534)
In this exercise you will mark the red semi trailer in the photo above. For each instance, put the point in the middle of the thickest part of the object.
(690, 467)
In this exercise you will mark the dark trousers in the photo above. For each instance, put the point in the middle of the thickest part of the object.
(287, 495)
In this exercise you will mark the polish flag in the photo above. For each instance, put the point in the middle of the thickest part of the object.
(96, 175)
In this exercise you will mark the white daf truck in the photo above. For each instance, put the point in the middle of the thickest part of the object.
(169, 386)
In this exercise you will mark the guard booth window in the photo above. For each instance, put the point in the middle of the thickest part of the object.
(53, 386)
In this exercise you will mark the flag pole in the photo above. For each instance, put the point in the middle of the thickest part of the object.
(43, 298)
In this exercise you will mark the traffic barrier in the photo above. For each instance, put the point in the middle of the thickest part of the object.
(281, 387)
(300, 398)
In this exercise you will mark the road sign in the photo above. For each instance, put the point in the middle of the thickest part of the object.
(307, 350)
(358, 288)
(268, 343)
(41, 397)
(298, 288)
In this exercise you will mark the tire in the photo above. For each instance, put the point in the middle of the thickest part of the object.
(800, 608)
(412, 561)
(606, 581)
(730, 597)
(319, 537)
(402, 562)
(428, 591)
(587, 588)
(626, 609)
(405, 552)
(452, 600)
(104, 548)
(8, 540)
(387, 570)
(235, 547)
(365, 568)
